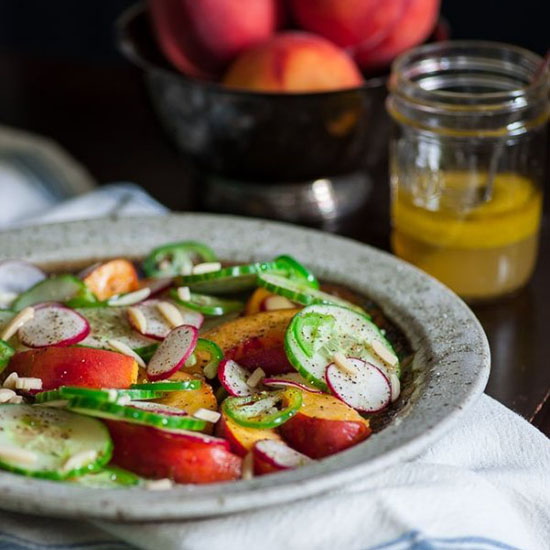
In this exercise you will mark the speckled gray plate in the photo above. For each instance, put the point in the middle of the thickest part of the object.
(451, 362)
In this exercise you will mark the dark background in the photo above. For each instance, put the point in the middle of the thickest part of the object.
(83, 28)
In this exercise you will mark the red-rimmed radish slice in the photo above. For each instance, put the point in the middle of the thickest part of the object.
(157, 326)
(291, 379)
(279, 455)
(172, 352)
(53, 325)
(157, 408)
(366, 389)
(16, 277)
(234, 378)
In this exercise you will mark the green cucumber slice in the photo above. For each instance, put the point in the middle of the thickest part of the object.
(208, 305)
(311, 340)
(297, 291)
(215, 353)
(264, 410)
(174, 259)
(68, 392)
(228, 280)
(297, 271)
(127, 413)
(6, 352)
(111, 323)
(164, 386)
(109, 478)
(64, 288)
(49, 438)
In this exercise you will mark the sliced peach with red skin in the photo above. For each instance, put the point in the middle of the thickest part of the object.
(294, 62)
(241, 439)
(75, 366)
(256, 340)
(323, 426)
(113, 277)
(158, 454)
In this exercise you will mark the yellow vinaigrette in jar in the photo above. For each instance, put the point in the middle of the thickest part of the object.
(486, 246)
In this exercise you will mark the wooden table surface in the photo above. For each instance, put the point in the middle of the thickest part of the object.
(101, 115)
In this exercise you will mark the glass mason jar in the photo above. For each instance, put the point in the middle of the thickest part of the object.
(467, 163)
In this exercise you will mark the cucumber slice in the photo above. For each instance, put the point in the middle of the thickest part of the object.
(6, 351)
(64, 288)
(215, 356)
(109, 478)
(296, 271)
(297, 291)
(233, 279)
(165, 386)
(68, 392)
(41, 441)
(174, 259)
(111, 323)
(128, 413)
(208, 305)
(318, 331)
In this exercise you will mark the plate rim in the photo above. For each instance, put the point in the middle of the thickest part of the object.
(430, 298)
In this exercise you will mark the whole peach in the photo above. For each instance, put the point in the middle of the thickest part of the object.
(201, 37)
(293, 62)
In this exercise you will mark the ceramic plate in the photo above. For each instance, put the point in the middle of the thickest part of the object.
(450, 367)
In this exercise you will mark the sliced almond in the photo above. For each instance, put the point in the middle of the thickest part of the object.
(171, 313)
(274, 303)
(9, 382)
(138, 319)
(16, 323)
(16, 400)
(247, 471)
(184, 294)
(206, 267)
(123, 348)
(130, 298)
(22, 456)
(255, 378)
(207, 415)
(6, 394)
(28, 384)
(384, 353)
(54, 403)
(159, 484)
(79, 460)
(342, 362)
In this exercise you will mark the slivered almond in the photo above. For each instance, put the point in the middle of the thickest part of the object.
(207, 415)
(123, 348)
(247, 471)
(395, 386)
(273, 303)
(79, 460)
(206, 267)
(17, 322)
(159, 484)
(384, 353)
(54, 403)
(22, 456)
(27, 383)
(9, 382)
(130, 298)
(184, 294)
(6, 394)
(138, 319)
(16, 400)
(341, 361)
(255, 378)
(171, 313)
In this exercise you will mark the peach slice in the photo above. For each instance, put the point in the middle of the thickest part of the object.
(114, 277)
(324, 426)
(75, 366)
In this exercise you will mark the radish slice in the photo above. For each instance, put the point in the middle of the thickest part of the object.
(172, 352)
(233, 378)
(291, 379)
(54, 325)
(157, 326)
(16, 277)
(279, 455)
(367, 389)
